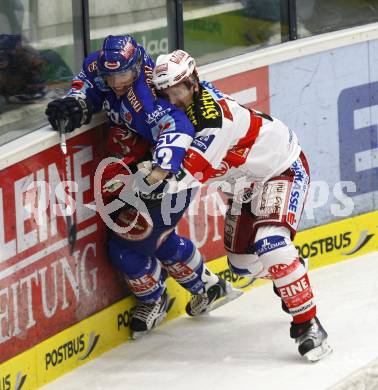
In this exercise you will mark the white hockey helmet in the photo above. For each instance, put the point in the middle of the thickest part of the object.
(172, 68)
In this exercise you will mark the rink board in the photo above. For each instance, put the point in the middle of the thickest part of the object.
(108, 328)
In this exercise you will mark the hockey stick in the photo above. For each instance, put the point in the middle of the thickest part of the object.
(71, 227)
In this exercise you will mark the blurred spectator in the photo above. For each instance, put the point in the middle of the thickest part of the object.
(20, 70)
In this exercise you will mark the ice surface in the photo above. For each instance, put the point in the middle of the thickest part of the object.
(246, 344)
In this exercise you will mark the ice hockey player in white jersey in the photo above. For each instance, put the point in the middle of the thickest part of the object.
(259, 164)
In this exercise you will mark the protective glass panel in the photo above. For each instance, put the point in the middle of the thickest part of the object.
(36, 60)
(219, 29)
(320, 16)
(145, 20)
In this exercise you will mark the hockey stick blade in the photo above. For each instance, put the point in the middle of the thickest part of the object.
(170, 303)
(62, 135)
(72, 234)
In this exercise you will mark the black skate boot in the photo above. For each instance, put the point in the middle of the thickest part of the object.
(148, 315)
(312, 339)
(217, 295)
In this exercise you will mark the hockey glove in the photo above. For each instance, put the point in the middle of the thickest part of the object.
(154, 194)
(113, 178)
(73, 111)
(150, 194)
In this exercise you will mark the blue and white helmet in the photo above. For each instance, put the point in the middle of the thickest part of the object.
(118, 54)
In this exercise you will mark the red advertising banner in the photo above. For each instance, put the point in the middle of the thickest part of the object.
(250, 88)
(44, 289)
(203, 222)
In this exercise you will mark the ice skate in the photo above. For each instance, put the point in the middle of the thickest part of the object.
(312, 339)
(217, 295)
(149, 315)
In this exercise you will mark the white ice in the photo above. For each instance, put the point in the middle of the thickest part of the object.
(246, 345)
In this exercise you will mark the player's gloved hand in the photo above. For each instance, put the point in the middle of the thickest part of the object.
(113, 179)
(154, 194)
(73, 111)
(150, 194)
(120, 173)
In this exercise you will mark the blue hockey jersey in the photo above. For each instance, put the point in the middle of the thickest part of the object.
(155, 119)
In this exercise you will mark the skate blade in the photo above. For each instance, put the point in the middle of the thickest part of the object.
(170, 304)
(248, 282)
(138, 335)
(232, 293)
(318, 353)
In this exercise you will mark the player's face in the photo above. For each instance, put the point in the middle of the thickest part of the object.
(120, 82)
(180, 95)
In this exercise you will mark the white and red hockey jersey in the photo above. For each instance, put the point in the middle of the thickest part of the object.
(232, 141)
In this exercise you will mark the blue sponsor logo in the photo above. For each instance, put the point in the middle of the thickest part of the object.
(214, 91)
(154, 116)
(203, 142)
(299, 185)
(269, 244)
(358, 137)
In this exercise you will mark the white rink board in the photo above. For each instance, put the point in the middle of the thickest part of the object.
(245, 344)
(306, 93)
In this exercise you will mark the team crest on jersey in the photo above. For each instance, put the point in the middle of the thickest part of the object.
(126, 114)
(92, 66)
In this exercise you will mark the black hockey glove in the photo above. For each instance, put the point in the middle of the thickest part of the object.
(152, 195)
(73, 111)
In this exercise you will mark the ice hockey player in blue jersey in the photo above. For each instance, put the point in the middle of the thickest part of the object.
(117, 78)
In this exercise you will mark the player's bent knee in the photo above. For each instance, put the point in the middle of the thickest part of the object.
(244, 264)
(274, 246)
(175, 248)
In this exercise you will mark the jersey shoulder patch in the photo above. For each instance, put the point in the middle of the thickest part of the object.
(205, 112)
(90, 63)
